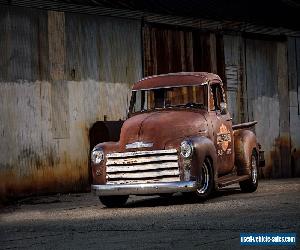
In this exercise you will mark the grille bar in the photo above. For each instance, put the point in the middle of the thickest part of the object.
(142, 167)
(142, 175)
(164, 179)
(138, 153)
(139, 160)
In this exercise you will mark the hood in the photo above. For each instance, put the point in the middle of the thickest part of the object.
(161, 128)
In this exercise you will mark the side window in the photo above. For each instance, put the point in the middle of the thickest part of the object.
(216, 96)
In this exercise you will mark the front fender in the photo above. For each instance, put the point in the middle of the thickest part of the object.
(203, 148)
(99, 170)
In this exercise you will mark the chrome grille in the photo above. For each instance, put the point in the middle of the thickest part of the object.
(142, 167)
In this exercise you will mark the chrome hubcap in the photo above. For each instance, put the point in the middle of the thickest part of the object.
(205, 179)
(254, 169)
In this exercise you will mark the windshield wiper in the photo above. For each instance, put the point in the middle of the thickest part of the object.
(188, 105)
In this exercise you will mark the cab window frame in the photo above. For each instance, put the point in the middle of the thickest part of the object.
(217, 96)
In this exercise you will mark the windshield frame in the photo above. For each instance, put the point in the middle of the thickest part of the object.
(134, 92)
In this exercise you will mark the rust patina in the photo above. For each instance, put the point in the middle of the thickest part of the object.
(178, 137)
(175, 79)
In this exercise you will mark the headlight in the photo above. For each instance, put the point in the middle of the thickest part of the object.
(97, 156)
(186, 149)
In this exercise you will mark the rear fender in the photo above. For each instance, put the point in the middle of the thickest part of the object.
(244, 143)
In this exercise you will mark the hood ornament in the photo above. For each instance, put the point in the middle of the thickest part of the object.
(139, 144)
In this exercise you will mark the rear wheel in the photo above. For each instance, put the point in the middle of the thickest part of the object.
(250, 185)
(114, 201)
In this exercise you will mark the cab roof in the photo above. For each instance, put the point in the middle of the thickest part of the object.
(176, 80)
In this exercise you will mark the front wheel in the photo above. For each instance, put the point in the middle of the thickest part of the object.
(206, 185)
(250, 185)
(114, 201)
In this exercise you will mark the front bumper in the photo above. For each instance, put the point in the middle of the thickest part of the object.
(144, 188)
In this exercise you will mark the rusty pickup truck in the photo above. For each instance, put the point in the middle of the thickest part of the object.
(178, 137)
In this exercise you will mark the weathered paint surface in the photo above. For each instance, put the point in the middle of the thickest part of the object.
(59, 74)
(261, 79)
(168, 50)
(235, 76)
(293, 52)
(262, 97)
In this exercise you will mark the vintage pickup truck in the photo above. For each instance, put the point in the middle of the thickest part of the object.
(178, 137)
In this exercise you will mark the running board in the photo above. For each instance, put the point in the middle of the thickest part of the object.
(231, 179)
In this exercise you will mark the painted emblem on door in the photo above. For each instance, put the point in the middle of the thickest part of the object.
(223, 140)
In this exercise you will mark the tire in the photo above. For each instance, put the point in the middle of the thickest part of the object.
(250, 185)
(114, 201)
(207, 181)
(206, 187)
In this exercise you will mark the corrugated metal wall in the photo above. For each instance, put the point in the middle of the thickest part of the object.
(260, 75)
(263, 85)
(293, 101)
(59, 74)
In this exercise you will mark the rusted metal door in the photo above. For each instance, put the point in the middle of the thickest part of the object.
(169, 50)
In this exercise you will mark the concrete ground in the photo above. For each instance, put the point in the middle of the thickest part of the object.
(80, 221)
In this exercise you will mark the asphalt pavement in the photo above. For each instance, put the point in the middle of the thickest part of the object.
(80, 221)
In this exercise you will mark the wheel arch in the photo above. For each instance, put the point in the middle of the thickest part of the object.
(204, 149)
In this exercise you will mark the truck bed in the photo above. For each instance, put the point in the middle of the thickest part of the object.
(244, 125)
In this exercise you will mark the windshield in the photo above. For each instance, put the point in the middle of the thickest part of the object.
(191, 96)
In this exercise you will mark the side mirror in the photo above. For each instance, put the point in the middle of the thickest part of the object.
(223, 107)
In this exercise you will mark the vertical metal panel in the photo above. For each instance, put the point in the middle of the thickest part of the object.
(149, 51)
(168, 50)
(188, 51)
(294, 102)
(263, 101)
(5, 49)
(22, 43)
(110, 48)
(24, 28)
(47, 114)
(60, 109)
(284, 142)
(120, 46)
(213, 53)
(56, 43)
(59, 88)
(234, 73)
(201, 51)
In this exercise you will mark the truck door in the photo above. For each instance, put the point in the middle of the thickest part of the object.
(222, 127)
